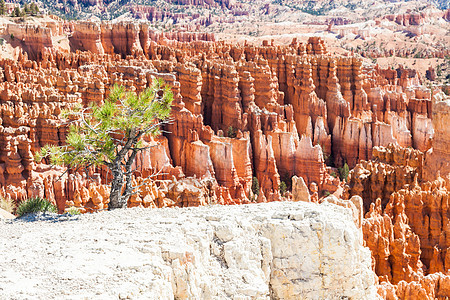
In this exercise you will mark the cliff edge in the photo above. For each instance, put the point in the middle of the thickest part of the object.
(279, 250)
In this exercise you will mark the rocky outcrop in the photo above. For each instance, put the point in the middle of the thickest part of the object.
(405, 224)
(300, 191)
(417, 18)
(124, 38)
(35, 40)
(433, 286)
(86, 36)
(283, 250)
(437, 163)
(395, 247)
(408, 240)
(6, 215)
(390, 169)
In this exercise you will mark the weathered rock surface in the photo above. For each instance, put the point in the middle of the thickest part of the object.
(280, 250)
(300, 191)
(437, 158)
(390, 169)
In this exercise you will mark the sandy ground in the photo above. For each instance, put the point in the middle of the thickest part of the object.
(78, 257)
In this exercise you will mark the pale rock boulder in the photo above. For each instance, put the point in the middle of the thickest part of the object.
(300, 191)
(355, 204)
(274, 250)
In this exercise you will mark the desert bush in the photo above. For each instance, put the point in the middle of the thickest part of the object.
(343, 172)
(231, 132)
(73, 211)
(2, 7)
(255, 186)
(7, 204)
(283, 188)
(34, 205)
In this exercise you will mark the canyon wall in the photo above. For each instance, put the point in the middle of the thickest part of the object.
(437, 163)
(406, 220)
(273, 111)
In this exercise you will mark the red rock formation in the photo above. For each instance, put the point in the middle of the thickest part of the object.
(122, 38)
(431, 74)
(389, 171)
(434, 286)
(417, 19)
(408, 240)
(86, 36)
(406, 222)
(437, 162)
(312, 98)
(35, 40)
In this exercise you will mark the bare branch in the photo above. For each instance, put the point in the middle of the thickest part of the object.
(145, 148)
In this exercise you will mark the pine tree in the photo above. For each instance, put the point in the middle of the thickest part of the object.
(16, 12)
(112, 135)
(2, 7)
(344, 171)
(34, 9)
(255, 186)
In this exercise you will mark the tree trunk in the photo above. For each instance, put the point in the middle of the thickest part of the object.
(128, 191)
(117, 199)
(115, 196)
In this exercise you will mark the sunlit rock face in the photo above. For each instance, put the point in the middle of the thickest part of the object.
(281, 250)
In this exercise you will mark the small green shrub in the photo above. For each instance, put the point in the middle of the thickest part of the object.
(73, 211)
(255, 186)
(7, 204)
(343, 172)
(231, 132)
(283, 188)
(34, 205)
(12, 36)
